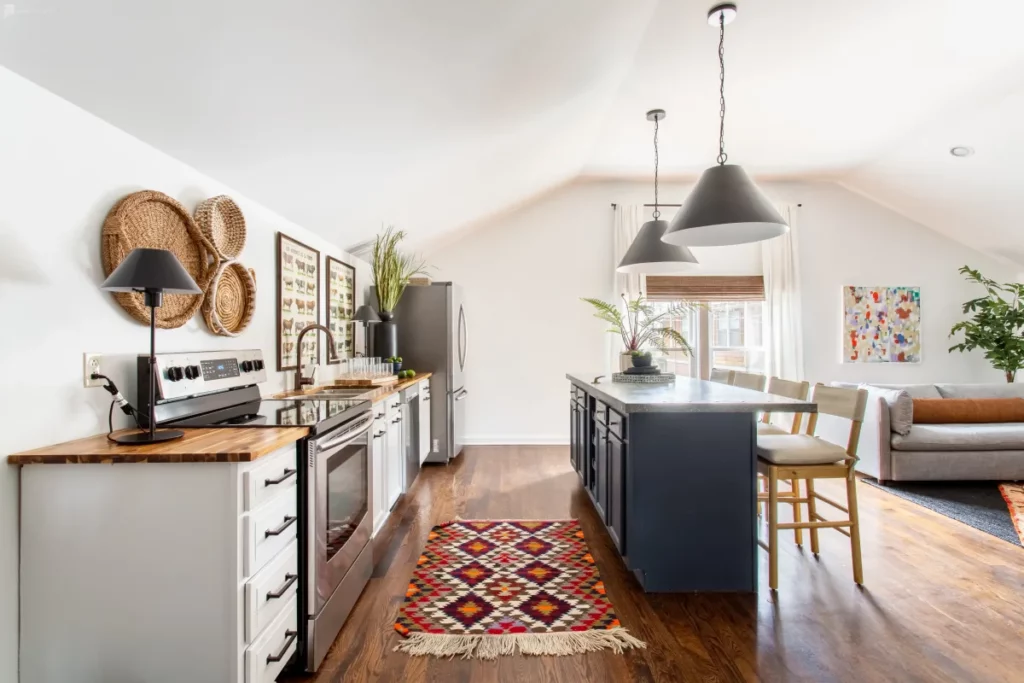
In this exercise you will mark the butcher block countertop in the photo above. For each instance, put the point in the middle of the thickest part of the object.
(241, 444)
(374, 395)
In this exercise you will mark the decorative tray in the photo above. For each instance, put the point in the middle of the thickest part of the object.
(662, 378)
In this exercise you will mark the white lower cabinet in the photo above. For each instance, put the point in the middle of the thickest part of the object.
(268, 654)
(394, 456)
(424, 420)
(159, 572)
(378, 493)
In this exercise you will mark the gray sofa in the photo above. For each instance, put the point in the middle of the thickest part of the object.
(935, 452)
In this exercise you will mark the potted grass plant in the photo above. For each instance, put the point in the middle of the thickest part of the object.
(392, 269)
(640, 324)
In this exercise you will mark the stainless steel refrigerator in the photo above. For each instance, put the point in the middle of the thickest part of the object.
(432, 336)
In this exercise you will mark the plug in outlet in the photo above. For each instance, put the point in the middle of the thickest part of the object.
(92, 363)
(437, 446)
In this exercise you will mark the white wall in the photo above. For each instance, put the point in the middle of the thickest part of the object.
(61, 170)
(524, 273)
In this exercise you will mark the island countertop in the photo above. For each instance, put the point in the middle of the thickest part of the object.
(686, 395)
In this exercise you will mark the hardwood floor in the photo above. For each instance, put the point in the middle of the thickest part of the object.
(942, 601)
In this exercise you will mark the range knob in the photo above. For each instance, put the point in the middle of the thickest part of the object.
(193, 372)
(175, 374)
(247, 366)
(259, 364)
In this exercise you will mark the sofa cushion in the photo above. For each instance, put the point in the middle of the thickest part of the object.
(967, 410)
(913, 390)
(1003, 390)
(901, 407)
(1007, 436)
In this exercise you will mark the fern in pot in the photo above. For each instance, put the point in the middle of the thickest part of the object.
(392, 270)
(640, 325)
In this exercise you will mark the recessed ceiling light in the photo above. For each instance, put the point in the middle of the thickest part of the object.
(961, 151)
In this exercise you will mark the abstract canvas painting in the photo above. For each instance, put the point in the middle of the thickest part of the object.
(881, 324)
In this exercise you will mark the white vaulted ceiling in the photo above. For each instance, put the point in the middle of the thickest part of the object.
(346, 114)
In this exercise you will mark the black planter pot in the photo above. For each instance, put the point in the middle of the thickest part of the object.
(385, 336)
(643, 361)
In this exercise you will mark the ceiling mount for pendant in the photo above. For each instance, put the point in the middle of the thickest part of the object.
(725, 207)
(649, 254)
(726, 9)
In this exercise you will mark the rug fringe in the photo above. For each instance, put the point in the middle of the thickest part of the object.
(541, 644)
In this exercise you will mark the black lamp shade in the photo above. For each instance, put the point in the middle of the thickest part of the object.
(649, 254)
(725, 208)
(151, 269)
(366, 314)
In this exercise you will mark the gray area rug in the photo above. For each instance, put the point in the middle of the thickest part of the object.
(975, 503)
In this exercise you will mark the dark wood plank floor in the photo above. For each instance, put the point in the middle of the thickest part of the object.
(942, 602)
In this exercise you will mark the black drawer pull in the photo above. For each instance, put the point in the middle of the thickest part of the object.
(289, 579)
(292, 635)
(397, 419)
(378, 416)
(288, 521)
(426, 400)
(379, 434)
(272, 482)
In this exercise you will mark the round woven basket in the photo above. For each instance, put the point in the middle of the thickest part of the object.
(231, 300)
(152, 219)
(222, 222)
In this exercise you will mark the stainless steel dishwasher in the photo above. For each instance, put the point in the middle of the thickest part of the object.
(410, 411)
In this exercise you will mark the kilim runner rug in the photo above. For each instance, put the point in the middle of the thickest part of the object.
(485, 589)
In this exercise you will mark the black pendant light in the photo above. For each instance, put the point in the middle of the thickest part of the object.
(649, 254)
(725, 207)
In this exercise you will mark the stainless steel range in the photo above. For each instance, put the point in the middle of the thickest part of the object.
(221, 389)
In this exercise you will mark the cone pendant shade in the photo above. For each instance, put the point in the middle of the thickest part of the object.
(725, 208)
(650, 255)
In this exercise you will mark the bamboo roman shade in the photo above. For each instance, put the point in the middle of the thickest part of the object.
(705, 288)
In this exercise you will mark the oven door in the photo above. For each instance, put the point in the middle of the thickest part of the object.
(341, 524)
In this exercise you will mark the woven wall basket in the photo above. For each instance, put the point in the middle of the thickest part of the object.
(231, 300)
(152, 219)
(222, 222)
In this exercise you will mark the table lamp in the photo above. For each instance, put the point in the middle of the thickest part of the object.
(367, 316)
(153, 272)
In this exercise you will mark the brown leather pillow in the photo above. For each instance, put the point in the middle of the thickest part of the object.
(968, 410)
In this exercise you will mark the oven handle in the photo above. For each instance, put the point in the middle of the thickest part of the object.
(349, 435)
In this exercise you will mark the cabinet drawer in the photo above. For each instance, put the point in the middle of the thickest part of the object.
(267, 530)
(268, 479)
(267, 593)
(266, 657)
(600, 412)
(616, 424)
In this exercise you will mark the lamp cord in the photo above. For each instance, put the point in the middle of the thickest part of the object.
(657, 212)
(722, 156)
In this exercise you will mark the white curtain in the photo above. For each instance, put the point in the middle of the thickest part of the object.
(626, 225)
(781, 268)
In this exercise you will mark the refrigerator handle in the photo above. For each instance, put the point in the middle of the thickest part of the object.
(463, 338)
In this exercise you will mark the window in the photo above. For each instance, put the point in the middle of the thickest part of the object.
(726, 332)
(679, 362)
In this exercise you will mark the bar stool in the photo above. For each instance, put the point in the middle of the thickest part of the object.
(808, 457)
(721, 376)
(797, 391)
(747, 380)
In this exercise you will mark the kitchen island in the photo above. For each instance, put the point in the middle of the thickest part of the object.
(672, 471)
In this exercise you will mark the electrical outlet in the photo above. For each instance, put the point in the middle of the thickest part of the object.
(437, 446)
(92, 362)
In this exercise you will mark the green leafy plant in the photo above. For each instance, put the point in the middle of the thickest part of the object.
(392, 269)
(639, 353)
(996, 324)
(640, 324)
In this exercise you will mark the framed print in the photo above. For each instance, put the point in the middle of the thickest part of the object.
(881, 324)
(297, 296)
(340, 295)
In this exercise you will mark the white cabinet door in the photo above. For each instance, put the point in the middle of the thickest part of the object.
(424, 420)
(379, 491)
(393, 453)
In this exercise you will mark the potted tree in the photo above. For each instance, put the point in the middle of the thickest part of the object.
(392, 271)
(996, 324)
(639, 324)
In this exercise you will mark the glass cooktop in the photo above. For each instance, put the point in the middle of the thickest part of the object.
(319, 413)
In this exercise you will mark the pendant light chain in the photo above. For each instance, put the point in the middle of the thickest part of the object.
(657, 212)
(722, 156)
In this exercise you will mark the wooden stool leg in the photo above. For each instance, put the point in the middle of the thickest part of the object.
(851, 502)
(812, 512)
(773, 528)
(798, 534)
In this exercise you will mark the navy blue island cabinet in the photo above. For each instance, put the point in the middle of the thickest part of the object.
(671, 471)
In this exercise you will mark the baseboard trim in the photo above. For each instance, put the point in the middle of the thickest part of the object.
(516, 441)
